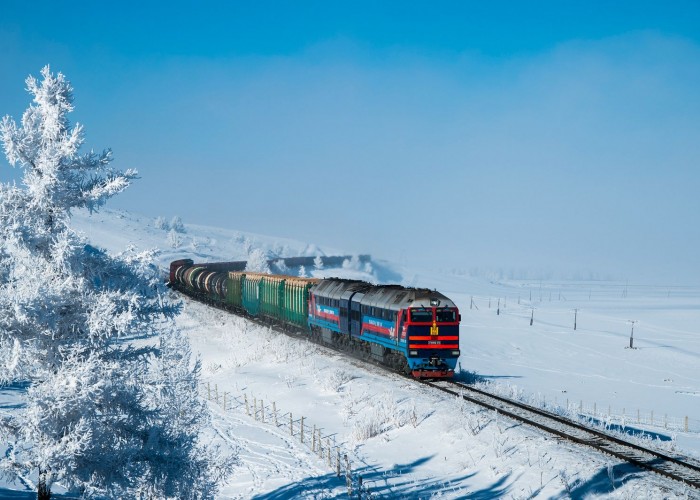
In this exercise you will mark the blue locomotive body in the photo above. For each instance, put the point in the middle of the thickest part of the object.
(414, 329)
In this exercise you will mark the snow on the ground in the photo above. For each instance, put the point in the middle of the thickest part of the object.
(407, 442)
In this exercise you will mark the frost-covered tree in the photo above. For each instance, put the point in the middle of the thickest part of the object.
(353, 263)
(161, 223)
(101, 416)
(174, 239)
(318, 263)
(281, 266)
(177, 225)
(248, 245)
(257, 261)
(302, 272)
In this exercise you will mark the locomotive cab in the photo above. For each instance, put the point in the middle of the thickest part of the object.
(431, 331)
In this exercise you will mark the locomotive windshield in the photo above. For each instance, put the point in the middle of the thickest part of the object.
(422, 315)
(446, 315)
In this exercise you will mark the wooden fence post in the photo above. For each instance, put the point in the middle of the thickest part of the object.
(274, 411)
(302, 429)
(348, 477)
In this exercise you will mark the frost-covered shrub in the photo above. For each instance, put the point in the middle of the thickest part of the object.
(373, 421)
(318, 262)
(285, 349)
(302, 272)
(335, 380)
(367, 427)
(413, 414)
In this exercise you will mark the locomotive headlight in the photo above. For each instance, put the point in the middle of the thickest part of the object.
(455, 353)
(413, 353)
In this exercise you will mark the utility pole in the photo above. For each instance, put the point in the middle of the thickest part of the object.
(575, 314)
(532, 316)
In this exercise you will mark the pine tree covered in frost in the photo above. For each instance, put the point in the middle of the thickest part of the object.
(101, 416)
(161, 223)
(177, 225)
(257, 261)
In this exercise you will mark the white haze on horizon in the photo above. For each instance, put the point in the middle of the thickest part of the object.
(581, 159)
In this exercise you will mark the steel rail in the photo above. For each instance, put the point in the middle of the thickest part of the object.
(645, 458)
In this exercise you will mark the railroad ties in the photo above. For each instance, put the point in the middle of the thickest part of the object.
(645, 458)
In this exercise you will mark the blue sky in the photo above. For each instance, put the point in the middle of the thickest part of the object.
(554, 136)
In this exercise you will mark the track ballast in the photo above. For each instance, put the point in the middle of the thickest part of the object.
(640, 456)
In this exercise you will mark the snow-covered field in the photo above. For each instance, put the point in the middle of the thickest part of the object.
(407, 442)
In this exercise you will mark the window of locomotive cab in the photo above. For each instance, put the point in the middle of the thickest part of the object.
(421, 315)
(446, 315)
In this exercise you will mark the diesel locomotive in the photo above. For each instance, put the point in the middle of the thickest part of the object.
(414, 330)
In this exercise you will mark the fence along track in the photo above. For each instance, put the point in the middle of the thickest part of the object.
(644, 458)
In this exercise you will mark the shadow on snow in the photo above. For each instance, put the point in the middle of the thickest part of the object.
(471, 378)
(394, 483)
(626, 429)
(603, 482)
(8, 494)
(11, 392)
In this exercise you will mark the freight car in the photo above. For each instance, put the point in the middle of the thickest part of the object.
(414, 330)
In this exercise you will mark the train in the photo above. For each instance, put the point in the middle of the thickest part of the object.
(412, 330)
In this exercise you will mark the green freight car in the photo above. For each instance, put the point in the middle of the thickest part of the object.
(278, 297)
(296, 300)
(275, 297)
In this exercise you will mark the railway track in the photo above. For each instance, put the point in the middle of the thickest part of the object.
(640, 456)
(644, 458)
